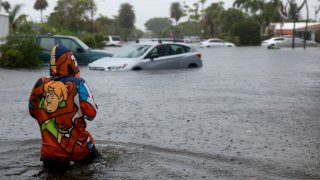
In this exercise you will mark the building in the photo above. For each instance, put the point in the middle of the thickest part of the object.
(4, 28)
(286, 29)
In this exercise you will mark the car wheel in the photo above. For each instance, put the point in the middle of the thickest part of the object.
(208, 46)
(137, 69)
(192, 65)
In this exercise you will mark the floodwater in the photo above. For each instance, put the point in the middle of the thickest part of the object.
(248, 113)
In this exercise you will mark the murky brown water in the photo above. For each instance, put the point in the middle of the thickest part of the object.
(247, 113)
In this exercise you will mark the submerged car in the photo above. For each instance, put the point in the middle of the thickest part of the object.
(298, 42)
(150, 55)
(216, 43)
(272, 41)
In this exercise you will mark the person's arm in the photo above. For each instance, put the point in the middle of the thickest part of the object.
(34, 98)
(87, 104)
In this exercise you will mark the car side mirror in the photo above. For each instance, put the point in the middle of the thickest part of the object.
(80, 50)
(153, 56)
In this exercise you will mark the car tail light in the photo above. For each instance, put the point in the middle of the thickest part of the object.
(199, 55)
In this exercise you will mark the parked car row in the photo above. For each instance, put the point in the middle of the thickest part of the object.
(155, 54)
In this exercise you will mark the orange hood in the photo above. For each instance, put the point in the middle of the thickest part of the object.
(63, 63)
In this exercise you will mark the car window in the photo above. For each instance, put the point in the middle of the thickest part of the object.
(161, 50)
(47, 43)
(115, 38)
(177, 49)
(70, 44)
(216, 41)
(132, 51)
(279, 39)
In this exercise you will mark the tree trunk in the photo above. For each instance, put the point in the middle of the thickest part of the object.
(175, 30)
(41, 15)
(212, 31)
(294, 31)
(306, 28)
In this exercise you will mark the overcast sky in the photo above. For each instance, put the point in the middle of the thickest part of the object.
(144, 9)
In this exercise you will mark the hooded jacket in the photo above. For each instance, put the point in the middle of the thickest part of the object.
(61, 103)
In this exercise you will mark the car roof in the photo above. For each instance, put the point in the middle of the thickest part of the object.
(157, 43)
(54, 35)
(278, 37)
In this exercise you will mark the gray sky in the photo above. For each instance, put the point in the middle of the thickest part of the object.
(144, 9)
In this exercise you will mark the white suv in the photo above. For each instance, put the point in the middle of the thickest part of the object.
(113, 41)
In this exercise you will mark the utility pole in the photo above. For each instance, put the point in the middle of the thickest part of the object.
(316, 11)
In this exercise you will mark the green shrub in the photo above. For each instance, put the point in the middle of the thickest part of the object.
(248, 33)
(20, 51)
(93, 40)
(89, 40)
(99, 39)
(230, 38)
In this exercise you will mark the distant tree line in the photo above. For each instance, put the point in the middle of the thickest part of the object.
(77, 17)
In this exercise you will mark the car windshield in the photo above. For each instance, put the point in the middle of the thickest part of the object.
(132, 51)
(82, 44)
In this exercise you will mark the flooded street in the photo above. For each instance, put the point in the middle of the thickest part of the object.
(248, 113)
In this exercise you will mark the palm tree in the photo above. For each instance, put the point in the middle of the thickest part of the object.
(202, 2)
(242, 4)
(250, 6)
(14, 20)
(213, 18)
(127, 19)
(270, 13)
(6, 5)
(40, 5)
(176, 12)
(294, 11)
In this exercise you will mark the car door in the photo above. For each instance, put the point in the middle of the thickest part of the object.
(177, 54)
(160, 61)
(46, 43)
(219, 43)
(80, 54)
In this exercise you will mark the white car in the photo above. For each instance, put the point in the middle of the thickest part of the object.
(150, 55)
(298, 42)
(273, 41)
(113, 41)
(215, 42)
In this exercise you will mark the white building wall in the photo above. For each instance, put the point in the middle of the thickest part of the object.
(4, 26)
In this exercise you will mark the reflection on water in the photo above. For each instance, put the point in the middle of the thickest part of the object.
(247, 113)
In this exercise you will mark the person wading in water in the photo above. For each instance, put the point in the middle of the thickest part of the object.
(61, 103)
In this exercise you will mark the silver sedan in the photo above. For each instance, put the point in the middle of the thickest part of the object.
(150, 55)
